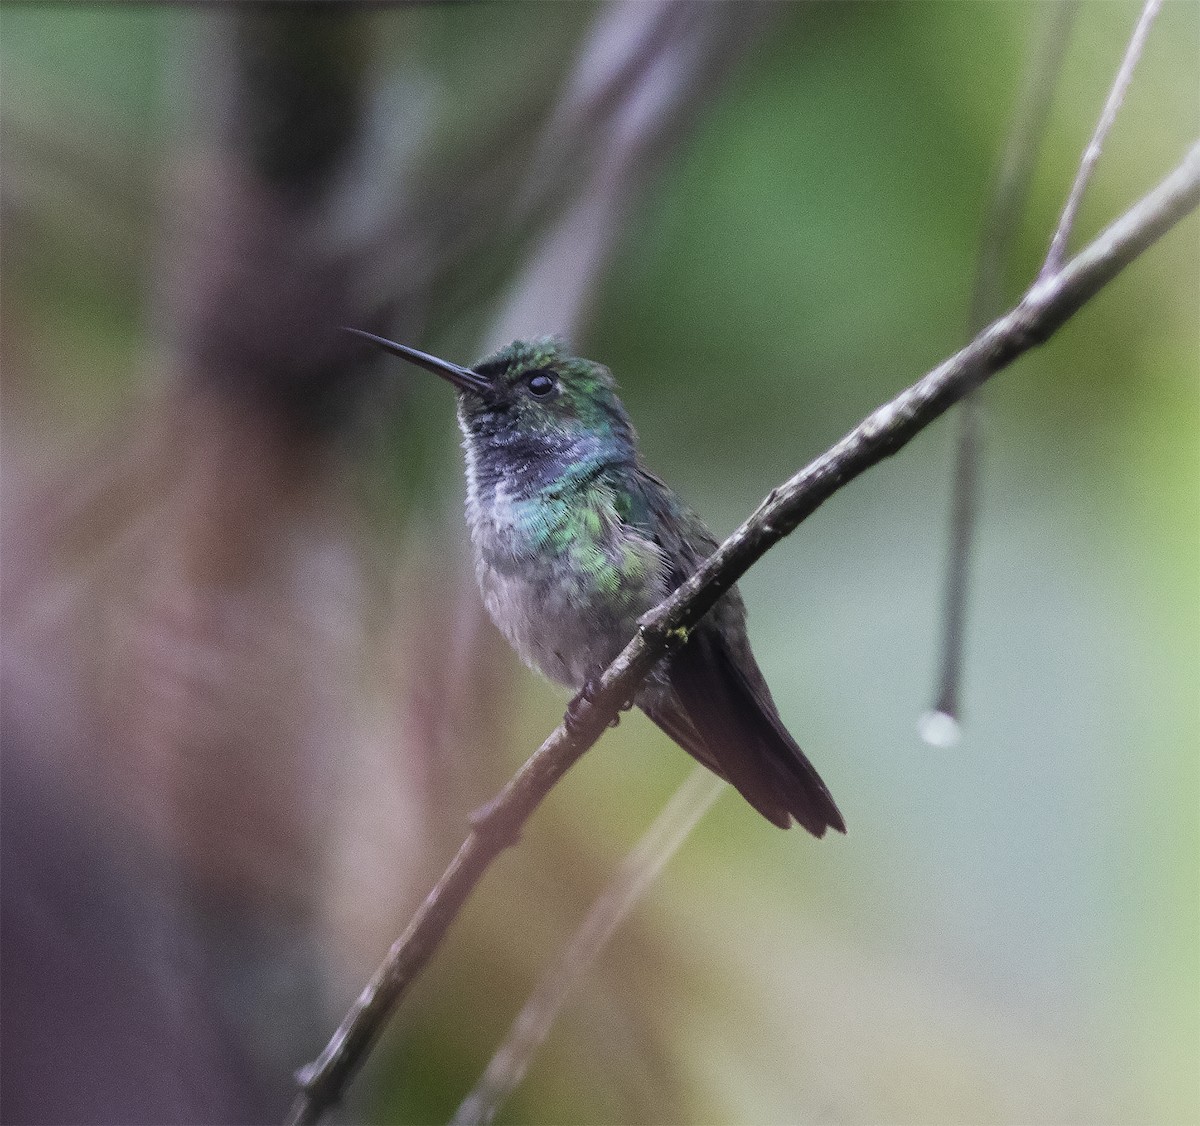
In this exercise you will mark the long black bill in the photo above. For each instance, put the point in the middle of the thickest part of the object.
(463, 378)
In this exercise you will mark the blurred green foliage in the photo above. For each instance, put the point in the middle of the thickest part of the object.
(1011, 930)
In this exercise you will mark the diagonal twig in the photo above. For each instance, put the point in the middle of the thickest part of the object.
(1058, 244)
(1040, 313)
(694, 798)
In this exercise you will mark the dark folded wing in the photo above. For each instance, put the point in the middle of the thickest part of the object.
(718, 717)
(720, 708)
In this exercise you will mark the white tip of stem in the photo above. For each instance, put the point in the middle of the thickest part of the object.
(939, 729)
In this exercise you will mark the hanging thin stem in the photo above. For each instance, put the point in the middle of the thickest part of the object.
(940, 725)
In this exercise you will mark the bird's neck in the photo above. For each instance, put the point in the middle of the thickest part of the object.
(528, 468)
(525, 502)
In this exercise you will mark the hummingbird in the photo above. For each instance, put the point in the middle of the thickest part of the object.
(575, 539)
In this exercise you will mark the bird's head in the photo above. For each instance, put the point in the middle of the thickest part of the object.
(533, 394)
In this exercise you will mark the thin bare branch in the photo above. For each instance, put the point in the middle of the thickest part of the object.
(1042, 311)
(1058, 244)
(694, 798)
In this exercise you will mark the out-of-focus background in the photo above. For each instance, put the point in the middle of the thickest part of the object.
(249, 694)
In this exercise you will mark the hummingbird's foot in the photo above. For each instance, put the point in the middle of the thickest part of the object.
(489, 820)
(586, 696)
(573, 721)
(625, 706)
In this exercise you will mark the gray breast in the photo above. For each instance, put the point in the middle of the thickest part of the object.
(559, 623)
(545, 600)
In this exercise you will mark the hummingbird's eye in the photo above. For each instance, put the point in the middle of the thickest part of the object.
(541, 383)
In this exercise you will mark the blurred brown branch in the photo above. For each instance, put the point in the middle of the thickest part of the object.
(1040, 313)
(637, 83)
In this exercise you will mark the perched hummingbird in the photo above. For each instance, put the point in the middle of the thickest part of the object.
(575, 539)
